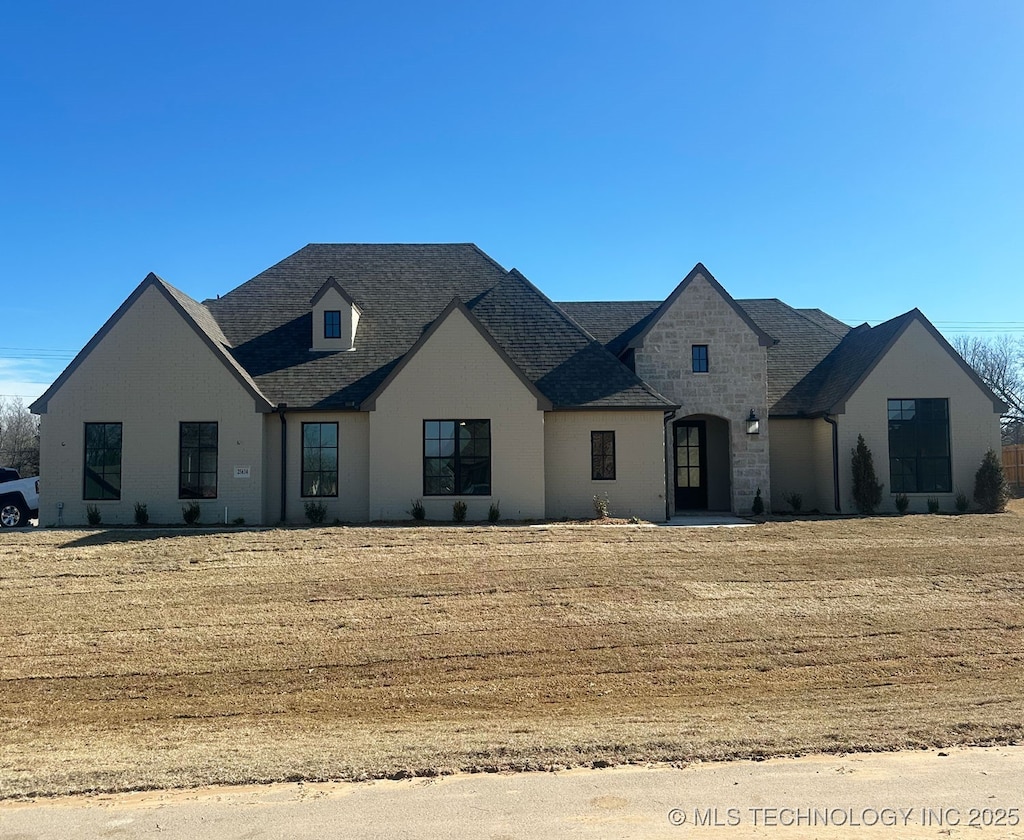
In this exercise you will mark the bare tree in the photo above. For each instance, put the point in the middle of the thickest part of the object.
(19, 437)
(999, 361)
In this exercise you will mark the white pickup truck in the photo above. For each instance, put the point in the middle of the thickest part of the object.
(19, 498)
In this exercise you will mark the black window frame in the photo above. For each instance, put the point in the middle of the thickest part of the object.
(602, 455)
(319, 448)
(332, 325)
(101, 455)
(920, 449)
(699, 358)
(194, 488)
(467, 469)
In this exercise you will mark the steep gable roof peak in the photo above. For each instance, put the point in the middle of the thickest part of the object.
(699, 270)
(329, 284)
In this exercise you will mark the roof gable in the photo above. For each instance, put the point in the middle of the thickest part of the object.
(331, 284)
(827, 388)
(456, 306)
(192, 312)
(699, 270)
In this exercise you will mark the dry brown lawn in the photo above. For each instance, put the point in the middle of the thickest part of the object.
(133, 659)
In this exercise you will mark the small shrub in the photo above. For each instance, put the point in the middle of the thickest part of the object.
(961, 502)
(902, 503)
(795, 501)
(757, 508)
(190, 513)
(92, 515)
(867, 492)
(933, 505)
(238, 521)
(316, 512)
(459, 511)
(141, 514)
(634, 520)
(494, 512)
(990, 489)
(417, 511)
(601, 506)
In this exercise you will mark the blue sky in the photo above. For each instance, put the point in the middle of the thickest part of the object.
(861, 157)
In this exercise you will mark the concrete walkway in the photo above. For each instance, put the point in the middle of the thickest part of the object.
(704, 519)
(926, 794)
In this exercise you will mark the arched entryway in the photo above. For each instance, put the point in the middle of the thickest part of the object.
(701, 467)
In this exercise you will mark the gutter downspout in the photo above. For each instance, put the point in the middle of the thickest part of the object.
(669, 466)
(835, 458)
(284, 459)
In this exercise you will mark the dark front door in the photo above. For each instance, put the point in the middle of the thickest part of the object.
(691, 465)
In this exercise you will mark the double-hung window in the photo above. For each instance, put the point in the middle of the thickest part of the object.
(102, 461)
(319, 459)
(602, 456)
(919, 459)
(197, 461)
(456, 457)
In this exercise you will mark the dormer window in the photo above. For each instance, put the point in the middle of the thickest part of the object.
(332, 323)
(339, 314)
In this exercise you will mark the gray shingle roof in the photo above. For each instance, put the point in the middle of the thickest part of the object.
(804, 337)
(401, 290)
(613, 323)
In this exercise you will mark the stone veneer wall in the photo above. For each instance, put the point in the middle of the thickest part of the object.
(736, 380)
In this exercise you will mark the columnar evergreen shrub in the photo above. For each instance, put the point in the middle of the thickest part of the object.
(757, 508)
(990, 489)
(867, 492)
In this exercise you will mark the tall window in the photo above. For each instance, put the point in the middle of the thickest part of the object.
(919, 459)
(456, 457)
(197, 460)
(332, 323)
(319, 459)
(699, 353)
(602, 456)
(102, 461)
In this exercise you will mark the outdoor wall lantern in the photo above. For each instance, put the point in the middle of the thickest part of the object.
(753, 424)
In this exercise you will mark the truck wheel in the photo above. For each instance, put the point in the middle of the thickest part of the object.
(13, 515)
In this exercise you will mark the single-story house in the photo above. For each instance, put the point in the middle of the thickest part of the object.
(368, 377)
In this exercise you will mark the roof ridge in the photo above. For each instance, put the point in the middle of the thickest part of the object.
(515, 272)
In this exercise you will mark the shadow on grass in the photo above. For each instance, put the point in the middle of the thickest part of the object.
(146, 534)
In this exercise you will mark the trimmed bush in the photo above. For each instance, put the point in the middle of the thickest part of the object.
(990, 489)
(459, 511)
(316, 512)
(867, 492)
(141, 514)
(601, 507)
(757, 508)
(933, 505)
